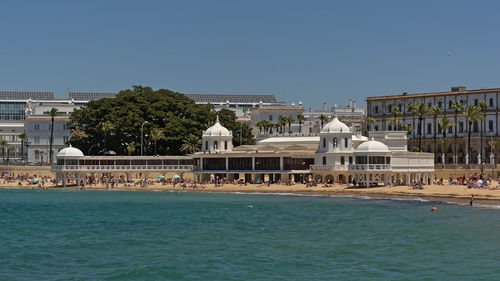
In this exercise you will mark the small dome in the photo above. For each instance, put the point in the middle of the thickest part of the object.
(335, 126)
(372, 146)
(70, 152)
(217, 130)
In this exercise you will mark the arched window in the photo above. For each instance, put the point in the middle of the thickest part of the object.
(215, 144)
(225, 145)
(346, 143)
(37, 155)
(324, 142)
(206, 145)
(335, 144)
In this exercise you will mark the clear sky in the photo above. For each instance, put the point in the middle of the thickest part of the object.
(314, 51)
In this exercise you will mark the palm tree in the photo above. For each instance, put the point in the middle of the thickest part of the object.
(368, 121)
(482, 105)
(435, 111)
(445, 123)
(22, 137)
(446, 145)
(260, 125)
(395, 112)
(106, 128)
(156, 135)
(323, 118)
(301, 119)
(471, 114)
(282, 122)
(130, 148)
(3, 144)
(289, 120)
(457, 106)
(52, 113)
(191, 144)
(413, 109)
(421, 109)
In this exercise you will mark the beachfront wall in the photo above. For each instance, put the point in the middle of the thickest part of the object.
(77, 167)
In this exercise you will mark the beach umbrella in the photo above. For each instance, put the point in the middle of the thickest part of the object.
(33, 181)
(176, 177)
(160, 176)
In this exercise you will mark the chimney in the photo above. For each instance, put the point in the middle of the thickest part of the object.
(353, 104)
(350, 102)
(324, 106)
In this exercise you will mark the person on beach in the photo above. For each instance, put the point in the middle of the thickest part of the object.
(471, 200)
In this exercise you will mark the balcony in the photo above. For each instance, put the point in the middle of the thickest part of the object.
(369, 167)
(328, 168)
(118, 168)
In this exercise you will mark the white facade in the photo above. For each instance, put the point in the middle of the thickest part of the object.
(380, 109)
(37, 146)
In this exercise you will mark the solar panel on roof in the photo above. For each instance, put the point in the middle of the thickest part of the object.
(26, 95)
(222, 98)
(91, 96)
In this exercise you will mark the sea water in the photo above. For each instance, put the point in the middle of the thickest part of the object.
(97, 235)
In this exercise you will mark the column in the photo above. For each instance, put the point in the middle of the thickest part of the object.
(227, 163)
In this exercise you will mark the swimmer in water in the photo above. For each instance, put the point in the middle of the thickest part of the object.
(434, 209)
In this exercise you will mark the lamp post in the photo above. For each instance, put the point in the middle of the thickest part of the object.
(142, 136)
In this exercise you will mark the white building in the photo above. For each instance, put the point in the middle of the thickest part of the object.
(350, 114)
(380, 108)
(336, 155)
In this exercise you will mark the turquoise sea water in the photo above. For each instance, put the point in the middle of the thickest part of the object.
(93, 235)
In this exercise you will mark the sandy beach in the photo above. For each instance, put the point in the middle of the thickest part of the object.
(448, 193)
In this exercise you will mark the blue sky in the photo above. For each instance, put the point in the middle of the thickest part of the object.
(314, 51)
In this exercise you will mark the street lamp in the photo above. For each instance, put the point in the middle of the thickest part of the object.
(142, 135)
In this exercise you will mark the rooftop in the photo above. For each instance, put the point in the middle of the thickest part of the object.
(454, 91)
(90, 96)
(7, 95)
(223, 98)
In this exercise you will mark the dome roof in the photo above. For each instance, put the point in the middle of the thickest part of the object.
(372, 146)
(217, 130)
(70, 152)
(335, 126)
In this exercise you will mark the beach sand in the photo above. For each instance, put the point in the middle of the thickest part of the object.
(447, 193)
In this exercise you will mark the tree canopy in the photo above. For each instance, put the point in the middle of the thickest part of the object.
(174, 113)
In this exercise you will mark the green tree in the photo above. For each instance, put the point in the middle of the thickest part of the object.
(446, 145)
(175, 113)
(435, 111)
(457, 106)
(471, 114)
(282, 123)
(289, 120)
(131, 148)
(483, 106)
(495, 146)
(420, 109)
(301, 119)
(368, 122)
(445, 123)
(191, 144)
(413, 109)
(52, 113)
(156, 134)
(323, 118)
(107, 128)
(395, 113)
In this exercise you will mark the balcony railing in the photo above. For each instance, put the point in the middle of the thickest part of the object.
(369, 167)
(324, 168)
(77, 168)
(465, 166)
